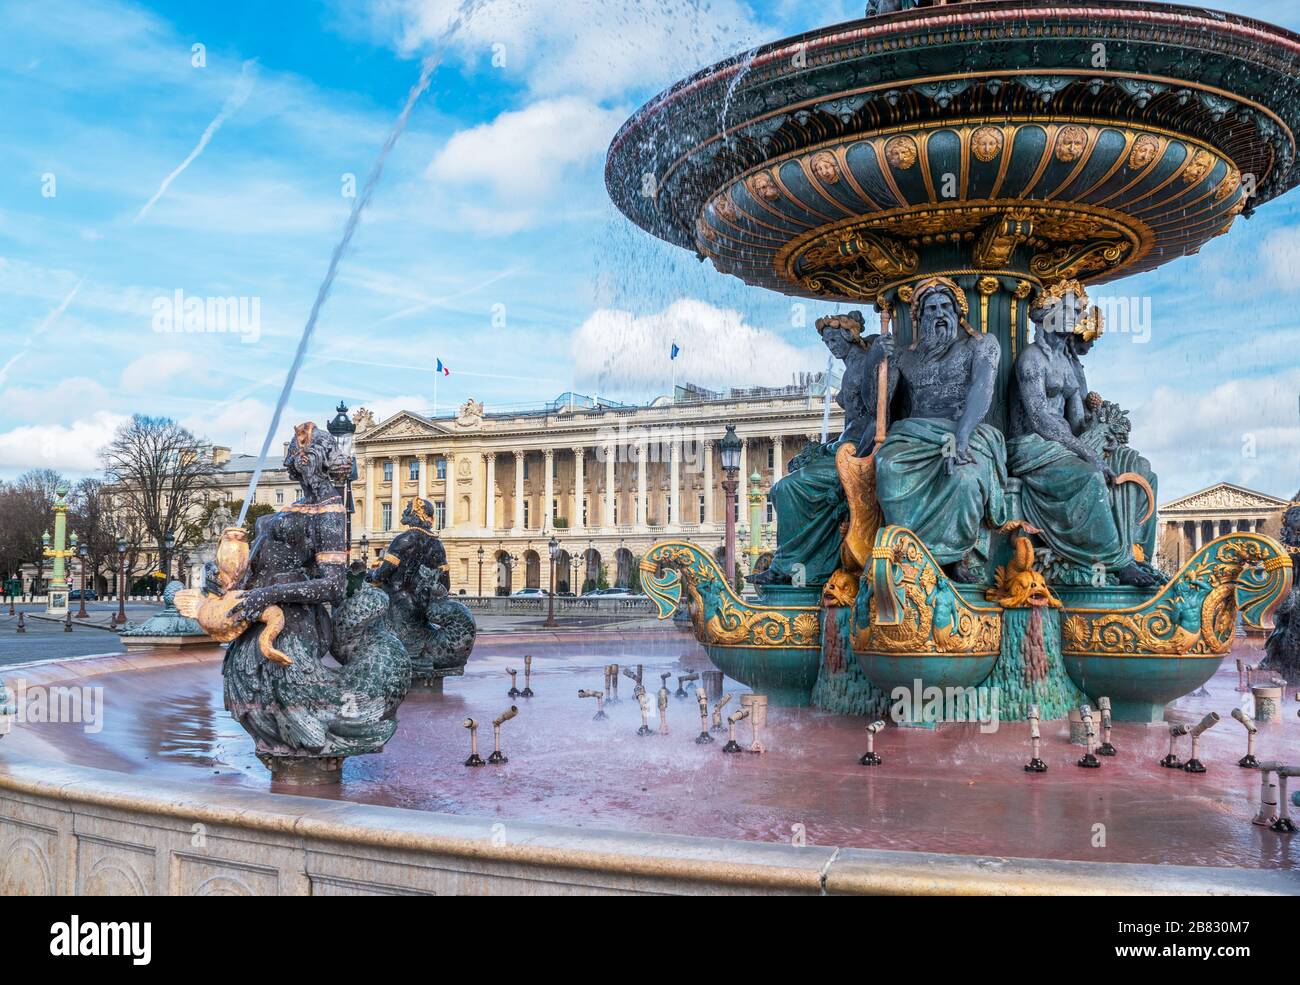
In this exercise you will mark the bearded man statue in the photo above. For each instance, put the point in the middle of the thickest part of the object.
(942, 472)
(1060, 458)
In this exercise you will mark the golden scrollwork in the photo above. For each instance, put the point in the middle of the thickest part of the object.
(718, 615)
(933, 618)
(1195, 613)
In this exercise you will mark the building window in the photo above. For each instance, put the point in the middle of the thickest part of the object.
(771, 513)
(440, 514)
(584, 511)
(771, 456)
(413, 470)
(440, 468)
(616, 511)
(737, 506)
(388, 471)
(555, 467)
(526, 512)
(555, 508)
(525, 468)
(388, 516)
(701, 507)
(279, 497)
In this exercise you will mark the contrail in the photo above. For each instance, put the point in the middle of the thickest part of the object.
(467, 9)
(40, 330)
(243, 86)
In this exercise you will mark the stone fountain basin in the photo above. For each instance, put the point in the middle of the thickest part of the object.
(584, 806)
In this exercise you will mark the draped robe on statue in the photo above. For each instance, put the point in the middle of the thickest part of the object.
(951, 513)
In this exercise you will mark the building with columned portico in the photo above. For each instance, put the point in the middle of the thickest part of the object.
(607, 480)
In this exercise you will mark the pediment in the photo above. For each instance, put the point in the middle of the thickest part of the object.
(403, 424)
(1225, 496)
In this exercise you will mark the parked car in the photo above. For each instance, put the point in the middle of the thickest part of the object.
(75, 595)
(531, 593)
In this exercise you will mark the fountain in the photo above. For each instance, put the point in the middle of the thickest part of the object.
(965, 169)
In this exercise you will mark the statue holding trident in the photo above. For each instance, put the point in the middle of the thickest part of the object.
(810, 501)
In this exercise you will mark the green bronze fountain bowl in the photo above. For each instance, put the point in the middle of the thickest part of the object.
(785, 674)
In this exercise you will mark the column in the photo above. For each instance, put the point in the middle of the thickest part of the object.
(423, 462)
(776, 459)
(490, 493)
(708, 480)
(370, 465)
(396, 494)
(519, 491)
(579, 480)
(1198, 530)
(607, 514)
(641, 502)
(674, 483)
(742, 494)
(548, 521)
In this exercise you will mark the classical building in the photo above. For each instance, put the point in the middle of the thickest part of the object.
(1190, 522)
(607, 480)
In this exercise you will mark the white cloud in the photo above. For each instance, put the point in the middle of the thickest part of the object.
(617, 351)
(157, 369)
(595, 47)
(522, 158)
(66, 447)
(1241, 431)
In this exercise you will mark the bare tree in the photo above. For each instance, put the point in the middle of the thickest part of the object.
(90, 514)
(158, 470)
(26, 511)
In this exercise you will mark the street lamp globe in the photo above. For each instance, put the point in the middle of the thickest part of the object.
(729, 448)
(343, 428)
(553, 546)
(121, 545)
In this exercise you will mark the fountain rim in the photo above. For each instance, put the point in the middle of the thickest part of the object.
(986, 12)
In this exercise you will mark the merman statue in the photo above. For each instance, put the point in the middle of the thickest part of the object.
(942, 472)
(1061, 460)
(437, 631)
(809, 501)
(1283, 645)
(286, 606)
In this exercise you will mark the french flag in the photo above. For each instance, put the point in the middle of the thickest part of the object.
(443, 369)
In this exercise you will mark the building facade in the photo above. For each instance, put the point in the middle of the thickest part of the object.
(1190, 522)
(606, 480)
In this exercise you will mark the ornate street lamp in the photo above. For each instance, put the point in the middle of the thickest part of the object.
(343, 428)
(168, 542)
(81, 556)
(729, 448)
(119, 618)
(481, 552)
(554, 547)
(364, 544)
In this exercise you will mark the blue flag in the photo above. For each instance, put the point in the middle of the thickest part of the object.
(676, 349)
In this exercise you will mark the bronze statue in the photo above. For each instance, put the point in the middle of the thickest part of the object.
(942, 472)
(1061, 461)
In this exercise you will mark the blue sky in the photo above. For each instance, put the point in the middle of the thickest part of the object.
(490, 243)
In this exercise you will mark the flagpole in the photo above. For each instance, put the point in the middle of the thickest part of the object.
(436, 374)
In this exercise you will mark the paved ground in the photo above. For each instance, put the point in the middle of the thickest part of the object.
(46, 640)
(949, 789)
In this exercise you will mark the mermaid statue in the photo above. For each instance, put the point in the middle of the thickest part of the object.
(1066, 454)
(810, 501)
(284, 606)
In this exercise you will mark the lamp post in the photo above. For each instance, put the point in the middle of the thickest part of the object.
(119, 618)
(344, 429)
(168, 543)
(729, 449)
(81, 609)
(553, 546)
(481, 552)
(364, 544)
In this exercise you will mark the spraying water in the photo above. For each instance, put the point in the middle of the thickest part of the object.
(427, 67)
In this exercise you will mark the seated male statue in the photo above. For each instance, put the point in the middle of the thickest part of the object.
(1067, 481)
(809, 501)
(942, 471)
